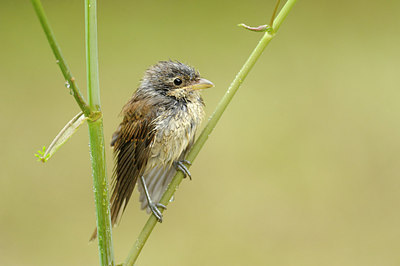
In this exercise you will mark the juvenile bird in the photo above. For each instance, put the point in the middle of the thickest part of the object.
(157, 130)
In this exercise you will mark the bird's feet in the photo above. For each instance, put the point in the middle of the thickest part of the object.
(152, 206)
(154, 209)
(179, 165)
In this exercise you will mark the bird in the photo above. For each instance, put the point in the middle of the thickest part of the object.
(157, 131)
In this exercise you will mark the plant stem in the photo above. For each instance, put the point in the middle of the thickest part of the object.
(152, 221)
(97, 151)
(92, 64)
(283, 14)
(100, 184)
(71, 84)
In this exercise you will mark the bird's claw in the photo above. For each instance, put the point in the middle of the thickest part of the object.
(181, 167)
(159, 205)
(154, 209)
(187, 162)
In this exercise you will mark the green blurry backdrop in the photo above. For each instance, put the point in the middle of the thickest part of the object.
(303, 168)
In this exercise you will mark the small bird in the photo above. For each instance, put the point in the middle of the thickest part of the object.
(157, 130)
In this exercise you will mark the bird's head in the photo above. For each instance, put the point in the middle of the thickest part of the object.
(174, 79)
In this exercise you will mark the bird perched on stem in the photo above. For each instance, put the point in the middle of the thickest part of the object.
(157, 130)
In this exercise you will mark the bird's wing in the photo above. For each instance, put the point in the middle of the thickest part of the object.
(131, 143)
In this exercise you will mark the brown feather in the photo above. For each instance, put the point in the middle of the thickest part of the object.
(132, 149)
(131, 143)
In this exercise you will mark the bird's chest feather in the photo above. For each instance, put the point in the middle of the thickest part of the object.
(175, 129)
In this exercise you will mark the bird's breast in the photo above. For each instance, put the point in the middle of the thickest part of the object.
(175, 130)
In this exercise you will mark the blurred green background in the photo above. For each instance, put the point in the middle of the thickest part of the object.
(303, 168)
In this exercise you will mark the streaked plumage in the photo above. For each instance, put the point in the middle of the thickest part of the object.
(158, 128)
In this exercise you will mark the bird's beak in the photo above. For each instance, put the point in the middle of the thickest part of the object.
(201, 84)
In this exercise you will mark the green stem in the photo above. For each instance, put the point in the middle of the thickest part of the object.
(71, 84)
(97, 151)
(100, 184)
(152, 221)
(283, 14)
(92, 64)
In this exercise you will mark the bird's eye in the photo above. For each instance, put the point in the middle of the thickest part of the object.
(177, 81)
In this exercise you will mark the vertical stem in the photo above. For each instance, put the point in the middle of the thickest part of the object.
(100, 184)
(92, 64)
(97, 152)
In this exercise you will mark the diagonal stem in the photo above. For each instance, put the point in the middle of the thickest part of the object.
(70, 80)
(244, 71)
